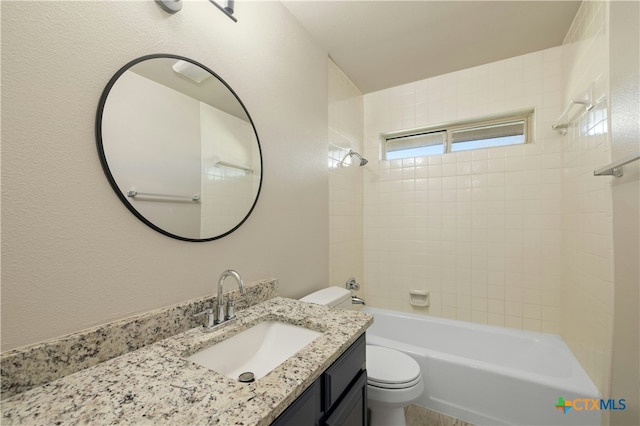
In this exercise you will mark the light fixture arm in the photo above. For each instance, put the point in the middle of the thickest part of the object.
(173, 6)
(227, 10)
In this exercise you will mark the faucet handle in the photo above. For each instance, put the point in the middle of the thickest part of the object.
(210, 317)
(230, 309)
(351, 284)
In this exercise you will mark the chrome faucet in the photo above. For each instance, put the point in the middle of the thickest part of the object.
(220, 317)
(352, 285)
(355, 300)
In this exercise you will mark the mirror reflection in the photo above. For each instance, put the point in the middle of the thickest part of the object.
(179, 148)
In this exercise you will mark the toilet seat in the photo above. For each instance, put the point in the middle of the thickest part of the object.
(391, 369)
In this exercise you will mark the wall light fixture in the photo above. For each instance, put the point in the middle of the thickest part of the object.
(173, 6)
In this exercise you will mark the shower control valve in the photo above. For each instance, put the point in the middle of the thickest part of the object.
(352, 284)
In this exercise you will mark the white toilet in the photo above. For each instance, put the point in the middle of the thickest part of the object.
(393, 378)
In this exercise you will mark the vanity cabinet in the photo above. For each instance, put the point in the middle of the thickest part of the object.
(337, 398)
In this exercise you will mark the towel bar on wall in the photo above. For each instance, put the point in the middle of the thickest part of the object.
(615, 168)
(585, 99)
(221, 163)
(165, 197)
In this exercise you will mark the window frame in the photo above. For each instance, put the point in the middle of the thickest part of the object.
(525, 115)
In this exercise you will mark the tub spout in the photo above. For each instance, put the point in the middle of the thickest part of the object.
(355, 300)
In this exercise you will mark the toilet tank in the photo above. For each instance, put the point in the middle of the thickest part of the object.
(332, 296)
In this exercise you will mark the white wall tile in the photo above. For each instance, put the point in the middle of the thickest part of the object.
(587, 213)
(472, 200)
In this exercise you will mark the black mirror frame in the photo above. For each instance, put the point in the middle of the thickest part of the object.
(107, 170)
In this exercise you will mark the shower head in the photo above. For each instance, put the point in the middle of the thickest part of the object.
(351, 153)
(363, 161)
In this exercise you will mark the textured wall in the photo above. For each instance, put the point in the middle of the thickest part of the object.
(72, 255)
(624, 42)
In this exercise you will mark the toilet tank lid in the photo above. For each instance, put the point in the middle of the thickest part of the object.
(328, 296)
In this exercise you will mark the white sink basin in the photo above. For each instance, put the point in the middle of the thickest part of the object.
(258, 349)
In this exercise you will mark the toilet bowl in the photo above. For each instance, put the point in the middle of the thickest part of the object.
(394, 379)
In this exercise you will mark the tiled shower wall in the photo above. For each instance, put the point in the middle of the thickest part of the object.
(345, 183)
(480, 230)
(517, 236)
(588, 235)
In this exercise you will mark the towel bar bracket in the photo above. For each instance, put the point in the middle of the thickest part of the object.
(615, 169)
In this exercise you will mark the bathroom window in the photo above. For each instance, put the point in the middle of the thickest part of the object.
(416, 145)
(461, 136)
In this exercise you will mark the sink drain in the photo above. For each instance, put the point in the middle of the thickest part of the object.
(246, 377)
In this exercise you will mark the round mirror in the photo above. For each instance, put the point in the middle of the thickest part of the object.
(179, 148)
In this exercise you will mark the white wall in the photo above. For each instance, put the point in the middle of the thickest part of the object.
(346, 116)
(72, 255)
(227, 192)
(625, 141)
(141, 123)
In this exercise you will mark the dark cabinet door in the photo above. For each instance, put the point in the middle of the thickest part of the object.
(337, 398)
(343, 372)
(305, 411)
(351, 409)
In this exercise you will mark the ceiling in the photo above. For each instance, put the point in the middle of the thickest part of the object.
(381, 44)
(210, 91)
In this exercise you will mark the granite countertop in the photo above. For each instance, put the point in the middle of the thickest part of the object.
(157, 385)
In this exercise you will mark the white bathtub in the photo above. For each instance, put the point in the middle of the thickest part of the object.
(488, 375)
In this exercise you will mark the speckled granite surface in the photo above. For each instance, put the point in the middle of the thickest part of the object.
(25, 368)
(156, 385)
